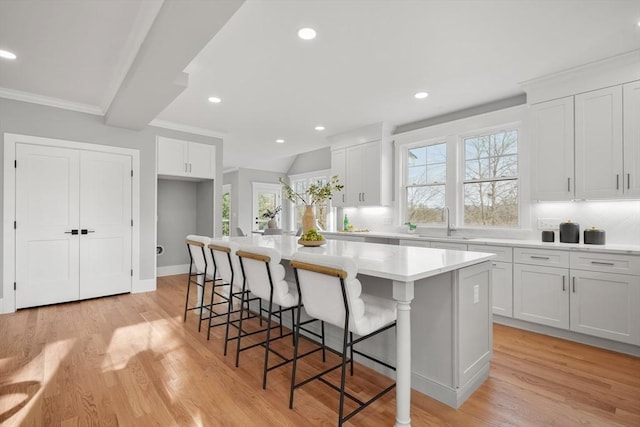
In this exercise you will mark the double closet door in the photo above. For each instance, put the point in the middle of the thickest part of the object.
(73, 224)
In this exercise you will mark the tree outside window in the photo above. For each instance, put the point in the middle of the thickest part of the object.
(491, 179)
(426, 183)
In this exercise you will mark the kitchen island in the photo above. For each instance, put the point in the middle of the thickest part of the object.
(443, 346)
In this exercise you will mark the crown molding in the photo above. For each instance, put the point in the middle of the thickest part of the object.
(50, 101)
(185, 128)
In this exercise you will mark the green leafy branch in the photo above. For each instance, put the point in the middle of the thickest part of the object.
(316, 193)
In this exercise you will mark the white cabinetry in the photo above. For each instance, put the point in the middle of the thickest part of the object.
(339, 167)
(591, 293)
(631, 138)
(365, 170)
(605, 296)
(552, 155)
(186, 159)
(501, 279)
(587, 146)
(598, 144)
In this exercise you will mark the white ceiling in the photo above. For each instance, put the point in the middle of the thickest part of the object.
(368, 60)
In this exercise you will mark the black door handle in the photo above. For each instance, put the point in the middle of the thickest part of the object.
(85, 231)
(74, 232)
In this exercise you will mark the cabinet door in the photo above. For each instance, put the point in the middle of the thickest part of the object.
(202, 161)
(172, 157)
(354, 173)
(599, 144)
(371, 174)
(541, 295)
(449, 245)
(619, 318)
(502, 282)
(339, 167)
(631, 99)
(552, 151)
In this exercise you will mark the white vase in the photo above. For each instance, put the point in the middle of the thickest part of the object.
(272, 223)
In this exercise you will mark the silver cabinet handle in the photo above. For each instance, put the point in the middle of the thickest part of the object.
(185, 168)
(574, 284)
(569, 184)
(539, 257)
(610, 264)
(564, 279)
(617, 181)
(628, 181)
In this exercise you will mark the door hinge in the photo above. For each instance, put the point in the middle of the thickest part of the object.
(14, 286)
(132, 272)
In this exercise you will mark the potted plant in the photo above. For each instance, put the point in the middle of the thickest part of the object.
(316, 193)
(271, 214)
(412, 227)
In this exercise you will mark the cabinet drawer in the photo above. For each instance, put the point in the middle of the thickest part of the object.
(449, 245)
(541, 257)
(421, 243)
(504, 253)
(607, 263)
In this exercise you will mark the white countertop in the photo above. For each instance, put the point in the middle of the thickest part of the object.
(608, 248)
(394, 262)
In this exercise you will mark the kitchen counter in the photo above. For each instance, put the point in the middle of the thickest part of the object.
(608, 248)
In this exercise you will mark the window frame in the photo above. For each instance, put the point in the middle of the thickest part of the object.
(310, 177)
(452, 132)
(461, 167)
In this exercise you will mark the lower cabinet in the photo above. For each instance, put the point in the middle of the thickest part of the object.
(502, 291)
(541, 295)
(605, 305)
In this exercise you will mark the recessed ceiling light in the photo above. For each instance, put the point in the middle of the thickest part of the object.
(214, 99)
(7, 55)
(421, 95)
(280, 141)
(319, 128)
(307, 33)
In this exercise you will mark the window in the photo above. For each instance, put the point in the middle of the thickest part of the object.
(300, 184)
(426, 183)
(491, 179)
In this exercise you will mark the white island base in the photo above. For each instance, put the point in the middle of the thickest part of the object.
(451, 332)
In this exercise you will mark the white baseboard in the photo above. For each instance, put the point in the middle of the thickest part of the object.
(146, 285)
(171, 270)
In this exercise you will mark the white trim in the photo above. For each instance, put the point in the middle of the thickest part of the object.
(9, 199)
(185, 128)
(325, 173)
(50, 101)
(172, 270)
(146, 285)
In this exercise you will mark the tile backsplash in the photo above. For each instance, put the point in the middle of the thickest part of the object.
(620, 219)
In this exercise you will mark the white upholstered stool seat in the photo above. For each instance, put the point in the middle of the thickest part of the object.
(331, 292)
(265, 278)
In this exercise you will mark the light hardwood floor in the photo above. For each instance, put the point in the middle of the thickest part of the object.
(129, 360)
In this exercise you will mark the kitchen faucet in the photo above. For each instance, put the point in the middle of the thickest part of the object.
(450, 228)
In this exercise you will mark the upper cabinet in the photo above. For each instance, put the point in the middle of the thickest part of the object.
(585, 131)
(598, 144)
(186, 159)
(631, 139)
(364, 167)
(552, 156)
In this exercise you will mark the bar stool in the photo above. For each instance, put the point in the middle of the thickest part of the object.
(264, 278)
(331, 292)
(199, 275)
(227, 268)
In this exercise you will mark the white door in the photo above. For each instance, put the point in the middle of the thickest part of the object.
(105, 224)
(598, 133)
(631, 99)
(47, 210)
(552, 154)
(73, 215)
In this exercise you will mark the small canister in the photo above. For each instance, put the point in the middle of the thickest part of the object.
(569, 232)
(594, 236)
(548, 236)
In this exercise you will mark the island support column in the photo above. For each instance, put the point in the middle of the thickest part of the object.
(403, 294)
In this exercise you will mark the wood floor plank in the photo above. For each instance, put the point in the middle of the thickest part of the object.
(130, 360)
